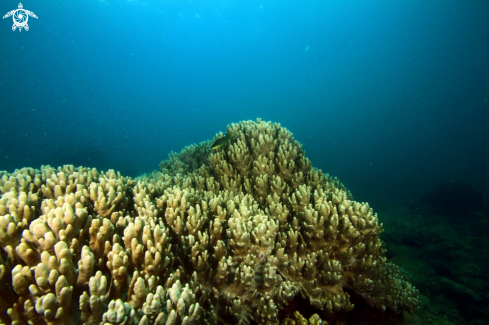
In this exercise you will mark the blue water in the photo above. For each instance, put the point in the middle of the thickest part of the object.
(390, 96)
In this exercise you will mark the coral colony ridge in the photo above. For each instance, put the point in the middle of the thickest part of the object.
(230, 240)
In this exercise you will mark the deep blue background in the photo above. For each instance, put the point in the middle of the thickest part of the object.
(390, 96)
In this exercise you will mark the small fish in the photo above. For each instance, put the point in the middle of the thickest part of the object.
(222, 141)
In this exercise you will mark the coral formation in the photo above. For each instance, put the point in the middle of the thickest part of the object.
(188, 160)
(232, 241)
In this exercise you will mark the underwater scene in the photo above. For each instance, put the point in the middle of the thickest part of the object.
(184, 162)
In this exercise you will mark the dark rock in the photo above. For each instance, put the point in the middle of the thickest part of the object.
(452, 198)
(442, 270)
(406, 241)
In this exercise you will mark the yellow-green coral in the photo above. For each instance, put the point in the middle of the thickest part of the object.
(232, 241)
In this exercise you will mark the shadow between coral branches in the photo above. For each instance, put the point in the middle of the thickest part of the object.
(362, 314)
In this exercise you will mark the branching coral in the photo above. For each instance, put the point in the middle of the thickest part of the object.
(229, 241)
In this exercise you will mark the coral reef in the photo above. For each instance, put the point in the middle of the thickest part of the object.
(188, 160)
(231, 241)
